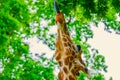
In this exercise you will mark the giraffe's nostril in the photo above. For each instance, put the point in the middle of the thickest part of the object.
(86, 70)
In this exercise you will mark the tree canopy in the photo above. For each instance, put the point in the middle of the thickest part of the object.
(22, 19)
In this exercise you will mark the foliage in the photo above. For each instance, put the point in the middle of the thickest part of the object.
(96, 77)
(15, 19)
(26, 69)
(21, 19)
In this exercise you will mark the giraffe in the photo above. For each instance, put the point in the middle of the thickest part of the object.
(67, 54)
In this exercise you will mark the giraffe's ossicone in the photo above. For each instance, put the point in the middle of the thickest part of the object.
(67, 54)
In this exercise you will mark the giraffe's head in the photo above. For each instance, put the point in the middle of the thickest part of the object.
(59, 16)
(79, 63)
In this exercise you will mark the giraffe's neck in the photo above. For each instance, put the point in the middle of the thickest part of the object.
(65, 50)
(66, 54)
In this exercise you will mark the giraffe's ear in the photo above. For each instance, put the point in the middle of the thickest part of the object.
(78, 47)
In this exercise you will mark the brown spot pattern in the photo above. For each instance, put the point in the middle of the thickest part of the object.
(66, 79)
(69, 45)
(73, 53)
(66, 60)
(65, 70)
(60, 75)
(71, 78)
(65, 44)
(67, 52)
(71, 58)
(60, 63)
(73, 72)
(69, 39)
(58, 57)
(64, 39)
